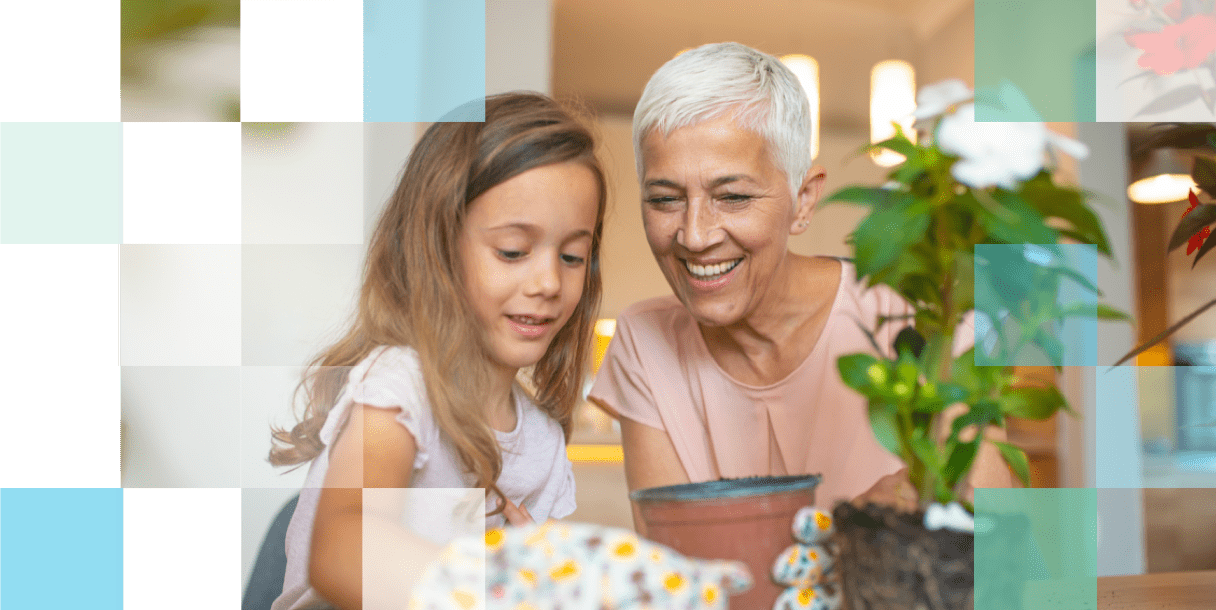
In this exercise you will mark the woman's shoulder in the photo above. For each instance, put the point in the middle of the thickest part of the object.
(654, 316)
(859, 300)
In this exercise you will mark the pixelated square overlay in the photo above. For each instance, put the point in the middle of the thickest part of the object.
(265, 515)
(62, 60)
(181, 544)
(181, 305)
(61, 183)
(181, 183)
(1044, 47)
(302, 183)
(181, 426)
(289, 72)
(51, 536)
(1035, 548)
(422, 58)
(1020, 290)
(59, 366)
(447, 525)
(296, 300)
(269, 401)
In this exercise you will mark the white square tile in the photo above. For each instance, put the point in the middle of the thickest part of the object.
(266, 401)
(181, 549)
(297, 300)
(181, 183)
(301, 61)
(181, 305)
(181, 426)
(302, 183)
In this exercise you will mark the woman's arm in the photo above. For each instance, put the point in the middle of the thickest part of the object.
(650, 461)
(374, 451)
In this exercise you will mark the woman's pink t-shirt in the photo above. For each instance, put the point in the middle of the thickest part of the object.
(658, 372)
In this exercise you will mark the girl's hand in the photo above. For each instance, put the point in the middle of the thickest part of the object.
(517, 515)
(894, 490)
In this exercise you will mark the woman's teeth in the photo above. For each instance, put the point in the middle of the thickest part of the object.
(711, 271)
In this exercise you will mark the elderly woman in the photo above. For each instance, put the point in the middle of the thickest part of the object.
(736, 374)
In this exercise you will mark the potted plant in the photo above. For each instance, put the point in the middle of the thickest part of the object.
(964, 184)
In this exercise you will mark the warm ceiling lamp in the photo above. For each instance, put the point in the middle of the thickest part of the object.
(1162, 179)
(807, 71)
(892, 100)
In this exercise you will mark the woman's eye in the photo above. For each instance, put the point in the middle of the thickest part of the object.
(511, 254)
(660, 200)
(735, 198)
(573, 260)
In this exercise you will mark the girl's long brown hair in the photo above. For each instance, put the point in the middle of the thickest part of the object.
(413, 292)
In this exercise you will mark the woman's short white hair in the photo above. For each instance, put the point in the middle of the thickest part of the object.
(714, 79)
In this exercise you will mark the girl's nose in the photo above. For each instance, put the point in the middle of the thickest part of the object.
(701, 228)
(545, 279)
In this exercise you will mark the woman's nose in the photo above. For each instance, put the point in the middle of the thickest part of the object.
(701, 228)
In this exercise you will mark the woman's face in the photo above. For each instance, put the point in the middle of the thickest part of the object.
(718, 213)
(525, 247)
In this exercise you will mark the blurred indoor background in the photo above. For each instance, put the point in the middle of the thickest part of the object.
(311, 192)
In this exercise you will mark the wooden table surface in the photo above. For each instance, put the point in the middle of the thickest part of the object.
(1167, 591)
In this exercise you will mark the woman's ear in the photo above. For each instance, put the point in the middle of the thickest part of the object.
(807, 198)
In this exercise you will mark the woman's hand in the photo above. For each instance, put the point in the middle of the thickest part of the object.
(517, 515)
(894, 490)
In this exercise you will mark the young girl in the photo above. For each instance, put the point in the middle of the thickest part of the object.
(484, 262)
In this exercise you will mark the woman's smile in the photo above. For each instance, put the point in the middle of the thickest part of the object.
(711, 276)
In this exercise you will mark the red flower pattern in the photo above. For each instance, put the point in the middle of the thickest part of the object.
(1177, 46)
(1196, 239)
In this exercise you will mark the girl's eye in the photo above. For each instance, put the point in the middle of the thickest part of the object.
(511, 254)
(573, 260)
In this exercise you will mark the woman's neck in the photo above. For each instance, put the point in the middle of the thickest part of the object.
(775, 339)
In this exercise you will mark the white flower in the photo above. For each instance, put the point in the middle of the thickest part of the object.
(1001, 154)
(952, 516)
(936, 99)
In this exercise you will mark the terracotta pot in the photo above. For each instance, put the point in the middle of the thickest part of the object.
(889, 561)
(748, 520)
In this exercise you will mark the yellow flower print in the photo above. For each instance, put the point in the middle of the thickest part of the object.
(528, 576)
(656, 556)
(673, 582)
(710, 594)
(625, 549)
(793, 559)
(806, 596)
(464, 599)
(813, 555)
(494, 539)
(822, 520)
(565, 570)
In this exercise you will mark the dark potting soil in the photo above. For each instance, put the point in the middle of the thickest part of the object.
(889, 561)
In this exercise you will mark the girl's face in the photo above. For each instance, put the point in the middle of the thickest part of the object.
(525, 247)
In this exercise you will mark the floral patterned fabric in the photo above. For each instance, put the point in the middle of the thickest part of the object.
(571, 565)
(807, 566)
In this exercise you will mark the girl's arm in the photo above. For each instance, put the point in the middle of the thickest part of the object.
(376, 452)
(650, 461)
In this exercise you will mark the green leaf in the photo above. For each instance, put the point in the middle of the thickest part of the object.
(884, 235)
(1203, 172)
(982, 413)
(853, 370)
(880, 198)
(886, 430)
(926, 451)
(909, 340)
(1164, 334)
(1021, 224)
(944, 395)
(1052, 346)
(961, 458)
(899, 144)
(1191, 224)
(1032, 402)
(1106, 312)
(1069, 205)
(1016, 458)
